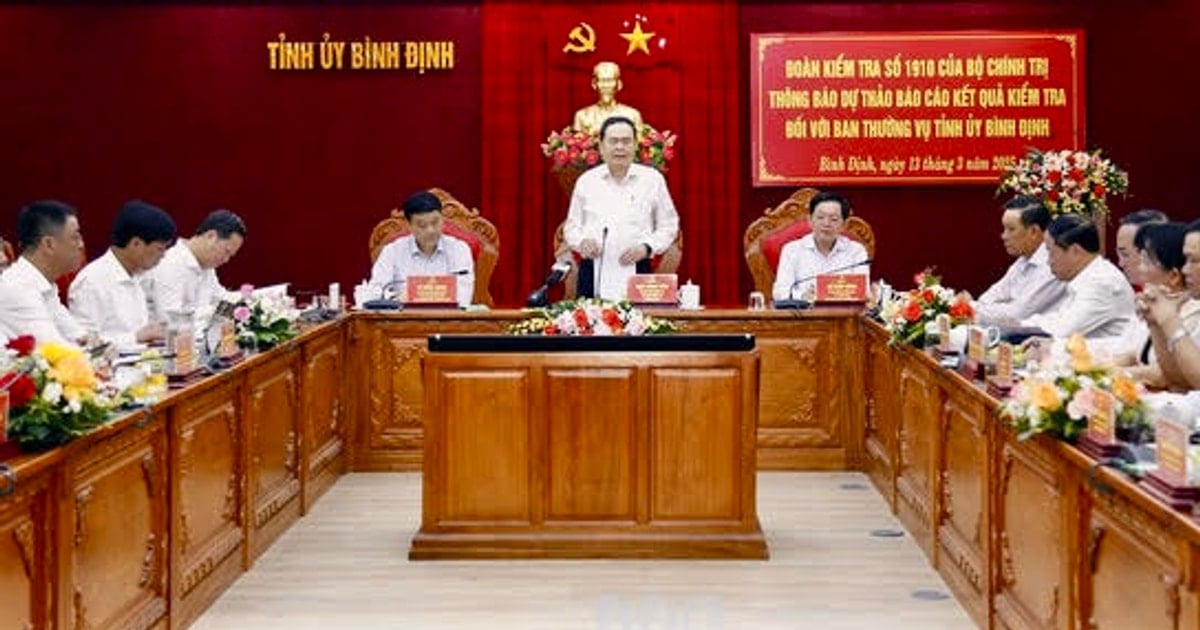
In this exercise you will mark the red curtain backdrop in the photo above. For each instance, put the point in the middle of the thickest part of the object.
(686, 84)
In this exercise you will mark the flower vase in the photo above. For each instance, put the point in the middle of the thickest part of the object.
(567, 176)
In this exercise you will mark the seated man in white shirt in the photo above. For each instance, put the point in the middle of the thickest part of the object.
(425, 251)
(185, 281)
(1099, 302)
(106, 297)
(1028, 287)
(51, 245)
(621, 215)
(824, 250)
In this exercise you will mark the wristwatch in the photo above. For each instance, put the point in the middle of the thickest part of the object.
(1175, 338)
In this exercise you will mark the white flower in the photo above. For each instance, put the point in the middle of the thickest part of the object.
(52, 392)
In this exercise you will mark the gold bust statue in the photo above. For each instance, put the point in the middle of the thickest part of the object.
(606, 80)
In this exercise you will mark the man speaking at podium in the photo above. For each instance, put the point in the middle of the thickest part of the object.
(621, 214)
(425, 251)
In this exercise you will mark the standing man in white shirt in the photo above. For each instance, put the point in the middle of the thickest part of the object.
(621, 215)
(425, 251)
(1028, 287)
(824, 250)
(106, 297)
(185, 281)
(51, 245)
(1099, 302)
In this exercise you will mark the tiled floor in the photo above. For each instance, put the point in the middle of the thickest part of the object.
(345, 566)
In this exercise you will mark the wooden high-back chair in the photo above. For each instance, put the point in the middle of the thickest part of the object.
(466, 224)
(766, 236)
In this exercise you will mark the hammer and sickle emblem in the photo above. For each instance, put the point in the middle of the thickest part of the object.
(578, 42)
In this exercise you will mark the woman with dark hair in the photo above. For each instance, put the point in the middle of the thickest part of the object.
(1161, 260)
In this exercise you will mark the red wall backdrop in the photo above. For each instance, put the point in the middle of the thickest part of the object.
(175, 104)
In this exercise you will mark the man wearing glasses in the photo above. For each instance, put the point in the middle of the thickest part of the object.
(621, 215)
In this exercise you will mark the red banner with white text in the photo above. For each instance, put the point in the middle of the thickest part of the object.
(910, 108)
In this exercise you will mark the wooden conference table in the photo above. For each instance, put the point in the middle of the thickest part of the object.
(145, 523)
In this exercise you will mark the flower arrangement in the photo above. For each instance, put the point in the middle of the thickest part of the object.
(263, 322)
(54, 394)
(1059, 398)
(588, 317)
(1068, 182)
(577, 149)
(906, 315)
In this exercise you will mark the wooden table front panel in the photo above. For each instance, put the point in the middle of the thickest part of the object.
(324, 437)
(1133, 569)
(589, 454)
(882, 416)
(917, 443)
(207, 511)
(963, 530)
(26, 516)
(1035, 514)
(115, 537)
(273, 430)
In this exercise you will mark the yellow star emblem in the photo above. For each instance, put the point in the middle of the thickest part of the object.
(637, 39)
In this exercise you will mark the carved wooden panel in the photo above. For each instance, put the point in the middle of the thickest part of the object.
(1133, 576)
(695, 440)
(1033, 518)
(273, 471)
(26, 569)
(485, 458)
(324, 421)
(963, 525)
(206, 499)
(801, 410)
(591, 444)
(916, 442)
(881, 415)
(116, 515)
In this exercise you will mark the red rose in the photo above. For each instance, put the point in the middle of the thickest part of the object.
(928, 296)
(1099, 190)
(1053, 177)
(1052, 195)
(912, 312)
(610, 318)
(1076, 174)
(551, 330)
(961, 311)
(21, 389)
(581, 318)
(24, 345)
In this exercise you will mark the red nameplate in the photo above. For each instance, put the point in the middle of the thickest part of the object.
(841, 288)
(431, 291)
(653, 288)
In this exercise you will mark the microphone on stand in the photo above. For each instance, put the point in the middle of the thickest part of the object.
(799, 303)
(600, 259)
(557, 272)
